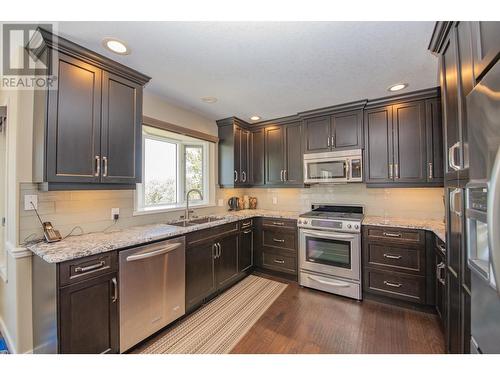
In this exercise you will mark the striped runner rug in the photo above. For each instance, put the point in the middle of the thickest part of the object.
(218, 326)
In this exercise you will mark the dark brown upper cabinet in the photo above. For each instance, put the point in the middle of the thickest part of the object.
(283, 154)
(87, 130)
(402, 141)
(235, 149)
(257, 160)
(485, 46)
(338, 128)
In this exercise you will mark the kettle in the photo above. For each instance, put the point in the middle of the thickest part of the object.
(233, 203)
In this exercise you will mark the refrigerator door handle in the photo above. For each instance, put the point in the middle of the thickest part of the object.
(494, 218)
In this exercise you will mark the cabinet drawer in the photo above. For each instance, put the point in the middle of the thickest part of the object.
(282, 263)
(279, 239)
(279, 223)
(395, 285)
(209, 234)
(396, 235)
(404, 259)
(77, 270)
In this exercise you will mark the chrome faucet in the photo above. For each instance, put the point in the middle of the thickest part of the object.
(186, 215)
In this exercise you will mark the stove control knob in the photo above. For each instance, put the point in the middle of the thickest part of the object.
(356, 226)
(349, 226)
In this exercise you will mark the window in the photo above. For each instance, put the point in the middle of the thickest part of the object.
(173, 164)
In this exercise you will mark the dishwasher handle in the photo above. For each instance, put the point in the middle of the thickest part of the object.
(162, 250)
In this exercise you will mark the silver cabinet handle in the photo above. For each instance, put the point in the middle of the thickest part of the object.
(244, 176)
(115, 290)
(214, 251)
(394, 285)
(328, 141)
(278, 223)
(285, 177)
(247, 224)
(442, 248)
(90, 268)
(278, 240)
(440, 267)
(220, 249)
(247, 231)
(430, 172)
(395, 235)
(389, 256)
(333, 141)
(280, 261)
(390, 171)
(453, 197)
(150, 254)
(98, 166)
(339, 284)
(281, 175)
(105, 162)
(396, 170)
(235, 176)
(451, 157)
(347, 170)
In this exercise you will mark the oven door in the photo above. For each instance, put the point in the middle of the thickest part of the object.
(326, 170)
(330, 253)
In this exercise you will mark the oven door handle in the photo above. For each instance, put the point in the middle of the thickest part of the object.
(338, 284)
(328, 235)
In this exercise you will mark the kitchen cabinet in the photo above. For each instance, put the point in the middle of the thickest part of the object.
(87, 131)
(257, 160)
(75, 305)
(338, 129)
(485, 45)
(234, 153)
(402, 141)
(245, 248)
(283, 155)
(440, 280)
(226, 261)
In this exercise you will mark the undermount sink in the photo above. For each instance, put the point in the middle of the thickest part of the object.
(201, 220)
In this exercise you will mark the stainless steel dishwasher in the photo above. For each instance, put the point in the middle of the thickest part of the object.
(152, 289)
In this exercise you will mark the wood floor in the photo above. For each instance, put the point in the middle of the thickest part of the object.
(303, 320)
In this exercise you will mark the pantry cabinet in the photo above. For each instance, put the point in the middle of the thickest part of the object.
(87, 131)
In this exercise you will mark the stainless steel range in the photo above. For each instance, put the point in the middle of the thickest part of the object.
(330, 249)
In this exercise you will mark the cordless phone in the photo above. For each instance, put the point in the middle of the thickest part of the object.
(50, 234)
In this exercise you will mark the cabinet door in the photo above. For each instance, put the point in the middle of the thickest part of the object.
(466, 321)
(200, 273)
(347, 130)
(440, 286)
(74, 122)
(244, 156)
(245, 250)
(121, 133)
(88, 316)
(379, 145)
(257, 158)
(227, 261)
(317, 134)
(453, 329)
(486, 44)
(434, 133)
(450, 93)
(275, 149)
(293, 154)
(237, 156)
(409, 142)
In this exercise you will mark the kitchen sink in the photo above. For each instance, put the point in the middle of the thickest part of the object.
(182, 223)
(189, 223)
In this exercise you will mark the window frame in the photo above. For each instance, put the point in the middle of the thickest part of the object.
(208, 152)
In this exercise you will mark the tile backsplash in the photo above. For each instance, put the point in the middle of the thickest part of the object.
(91, 210)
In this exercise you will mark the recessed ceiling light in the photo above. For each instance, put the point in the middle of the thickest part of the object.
(398, 86)
(255, 118)
(116, 46)
(209, 99)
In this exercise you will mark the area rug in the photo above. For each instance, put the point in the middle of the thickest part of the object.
(218, 326)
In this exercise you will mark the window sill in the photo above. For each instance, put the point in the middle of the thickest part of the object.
(160, 210)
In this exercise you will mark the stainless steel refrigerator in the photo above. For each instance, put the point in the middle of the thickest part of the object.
(483, 212)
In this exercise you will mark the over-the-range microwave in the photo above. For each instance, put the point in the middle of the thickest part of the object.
(333, 167)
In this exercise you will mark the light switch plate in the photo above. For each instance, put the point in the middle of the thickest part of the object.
(114, 211)
(28, 199)
(220, 202)
(275, 200)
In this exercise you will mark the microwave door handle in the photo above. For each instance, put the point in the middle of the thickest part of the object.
(493, 217)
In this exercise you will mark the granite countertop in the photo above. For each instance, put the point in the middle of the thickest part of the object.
(435, 226)
(74, 247)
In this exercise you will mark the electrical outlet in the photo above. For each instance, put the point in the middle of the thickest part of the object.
(220, 202)
(28, 199)
(275, 200)
(115, 212)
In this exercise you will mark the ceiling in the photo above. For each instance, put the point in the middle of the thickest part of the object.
(270, 69)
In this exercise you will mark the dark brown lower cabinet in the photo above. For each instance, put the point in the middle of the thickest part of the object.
(245, 249)
(200, 273)
(440, 284)
(88, 316)
(453, 320)
(226, 262)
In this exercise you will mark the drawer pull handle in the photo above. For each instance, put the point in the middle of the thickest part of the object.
(115, 290)
(247, 224)
(396, 235)
(90, 268)
(280, 261)
(389, 256)
(278, 223)
(247, 231)
(442, 248)
(278, 240)
(388, 283)
(439, 274)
